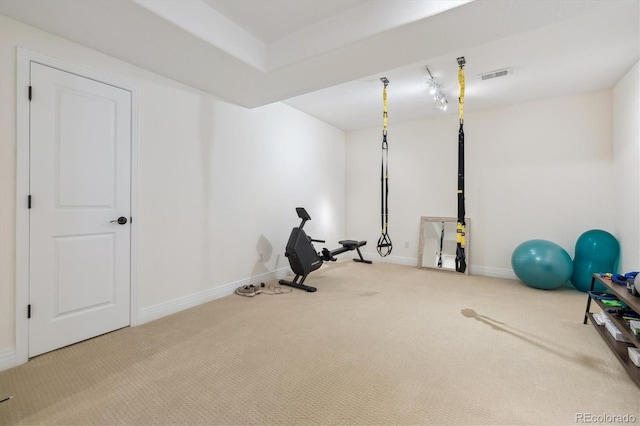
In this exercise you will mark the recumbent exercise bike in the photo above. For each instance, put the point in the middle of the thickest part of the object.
(303, 257)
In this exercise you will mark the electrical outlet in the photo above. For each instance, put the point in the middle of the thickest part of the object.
(406, 244)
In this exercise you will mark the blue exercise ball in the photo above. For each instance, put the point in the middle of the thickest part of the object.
(541, 264)
(596, 251)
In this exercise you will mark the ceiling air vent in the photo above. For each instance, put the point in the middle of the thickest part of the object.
(495, 74)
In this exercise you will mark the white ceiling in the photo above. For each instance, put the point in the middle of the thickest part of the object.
(326, 57)
(272, 20)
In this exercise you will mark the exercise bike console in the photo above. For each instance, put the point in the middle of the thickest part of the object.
(303, 257)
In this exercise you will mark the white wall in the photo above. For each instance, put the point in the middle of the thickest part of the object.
(218, 183)
(533, 170)
(626, 175)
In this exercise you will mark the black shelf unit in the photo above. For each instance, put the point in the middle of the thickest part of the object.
(618, 348)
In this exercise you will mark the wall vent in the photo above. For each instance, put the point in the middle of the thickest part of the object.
(495, 74)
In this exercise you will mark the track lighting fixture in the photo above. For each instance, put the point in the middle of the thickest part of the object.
(436, 91)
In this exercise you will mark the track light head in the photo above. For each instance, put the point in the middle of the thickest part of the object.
(435, 90)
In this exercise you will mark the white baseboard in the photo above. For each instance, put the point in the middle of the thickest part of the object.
(7, 358)
(487, 271)
(484, 271)
(151, 313)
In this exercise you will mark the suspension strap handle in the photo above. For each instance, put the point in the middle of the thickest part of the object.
(384, 242)
(461, 264)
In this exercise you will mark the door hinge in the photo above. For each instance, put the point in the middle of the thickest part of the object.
(29, 202)
(30, 92)
(29, 311)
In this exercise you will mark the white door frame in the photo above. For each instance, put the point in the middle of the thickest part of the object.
(24, 58)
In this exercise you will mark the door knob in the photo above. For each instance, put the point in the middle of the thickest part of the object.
(120, 221)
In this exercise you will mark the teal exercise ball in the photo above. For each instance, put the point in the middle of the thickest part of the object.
(596, 251)
(541, 264)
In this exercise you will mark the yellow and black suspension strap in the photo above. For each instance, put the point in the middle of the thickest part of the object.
(461, 264)
(384, 242)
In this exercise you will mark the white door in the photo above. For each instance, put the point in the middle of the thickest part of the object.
(80, 183)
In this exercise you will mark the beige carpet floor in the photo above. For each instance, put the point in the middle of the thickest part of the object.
(376, 344)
